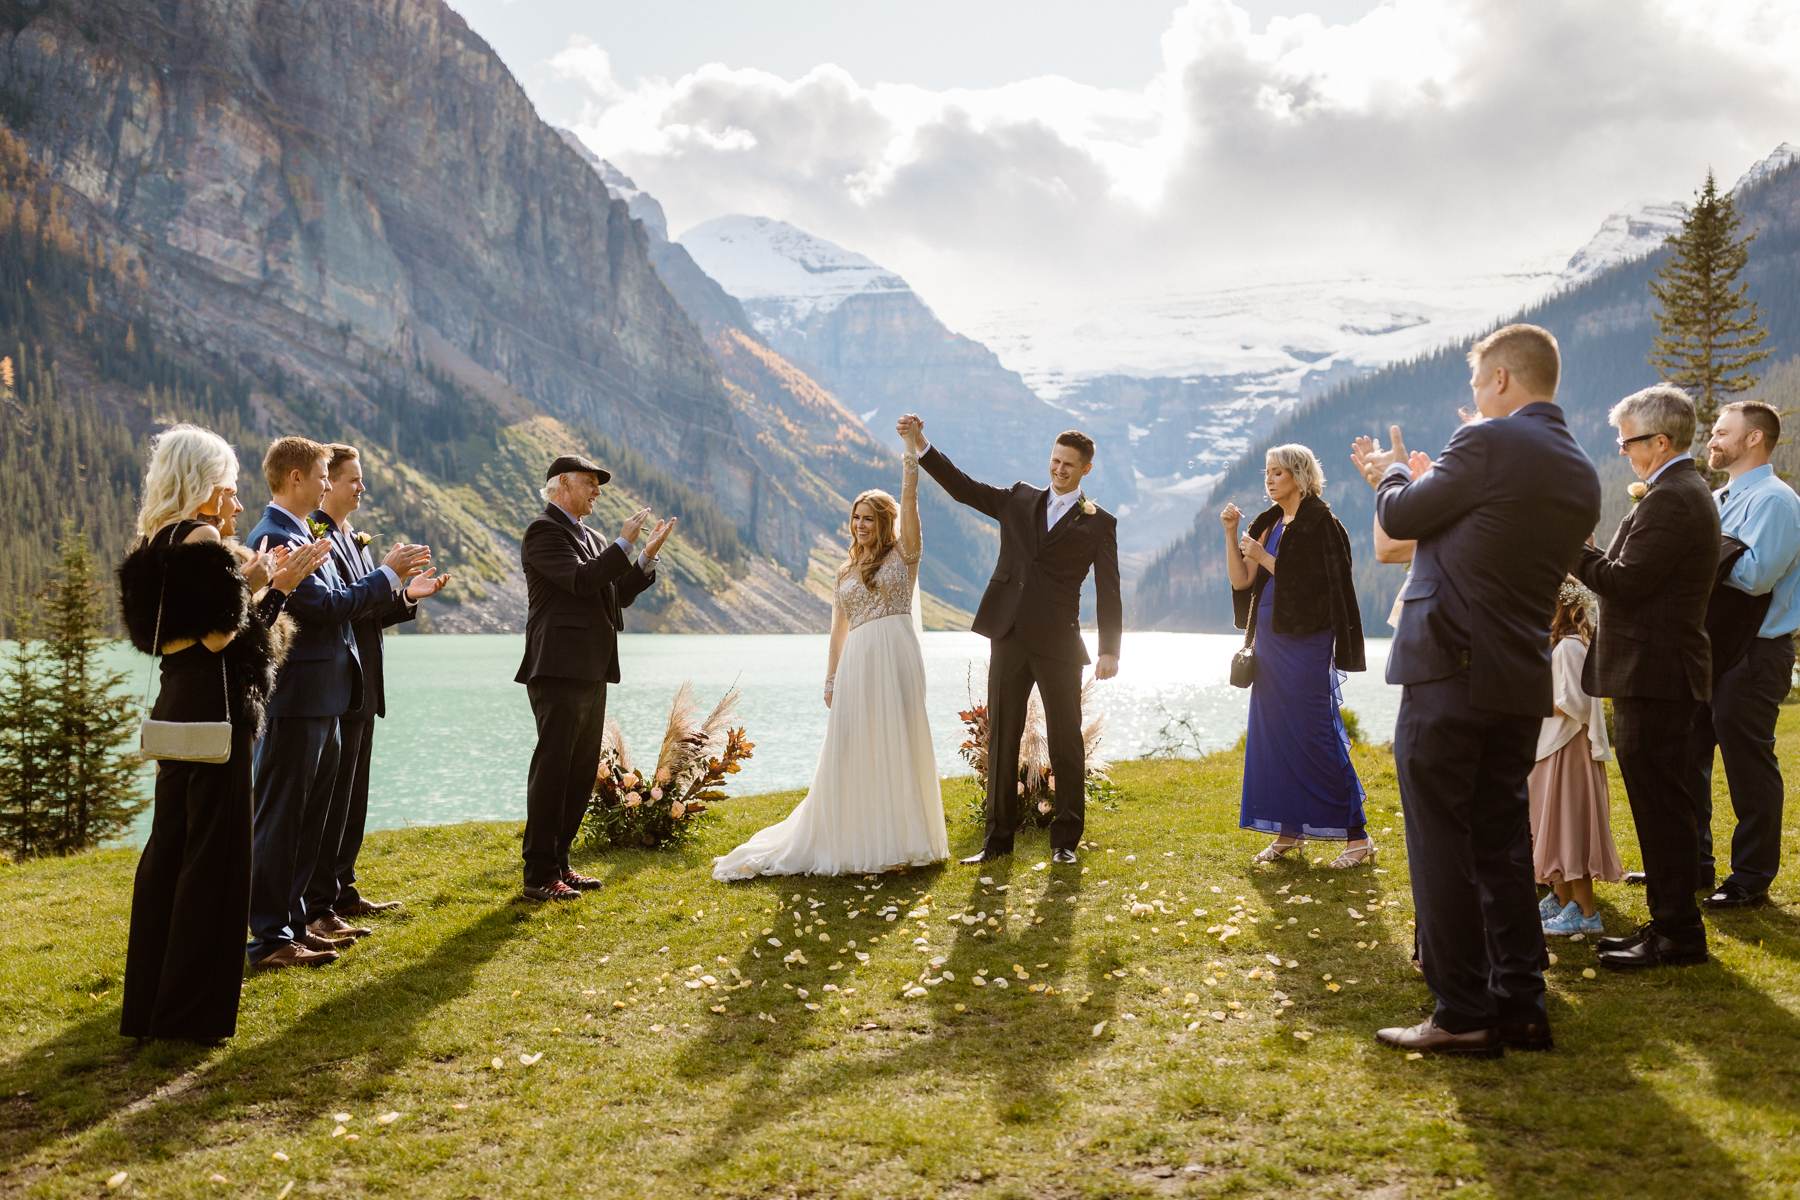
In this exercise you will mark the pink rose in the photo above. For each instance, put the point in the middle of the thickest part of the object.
(677, 810)
(632, 799)
(656, 793)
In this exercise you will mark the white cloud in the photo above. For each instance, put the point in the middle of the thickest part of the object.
(1443, 135)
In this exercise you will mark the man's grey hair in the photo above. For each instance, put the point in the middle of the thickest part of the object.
(1663, 408)
(554, 484)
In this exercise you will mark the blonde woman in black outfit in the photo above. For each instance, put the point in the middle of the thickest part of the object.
(187, 594)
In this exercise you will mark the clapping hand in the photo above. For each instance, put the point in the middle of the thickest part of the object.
(407, 559)
(292, 565)
(425, 584)
(1372, 461)
(659, 535)
(634, 525)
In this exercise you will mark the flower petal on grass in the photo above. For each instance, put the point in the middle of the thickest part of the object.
(388, 1118)
(1099, 1029)
(115, 1182)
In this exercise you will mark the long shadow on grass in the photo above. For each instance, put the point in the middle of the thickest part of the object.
(348, 1044)
(1013, 1041)
(1587, 1117)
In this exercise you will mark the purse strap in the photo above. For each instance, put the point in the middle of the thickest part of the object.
(1250, 624)
(156, 654)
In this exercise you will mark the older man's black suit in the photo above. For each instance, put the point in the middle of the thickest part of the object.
(1031, 613)
(1499, 520)
(576, 592)
(1653, 657)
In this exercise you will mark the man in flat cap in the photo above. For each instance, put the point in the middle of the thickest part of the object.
(577, 589)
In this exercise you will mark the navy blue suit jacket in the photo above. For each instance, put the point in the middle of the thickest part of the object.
(1500, 520)
(355, 562)
(322, 675)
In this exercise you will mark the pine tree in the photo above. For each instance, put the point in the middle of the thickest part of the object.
(91, 721)
(1709, 332)
(28, 784)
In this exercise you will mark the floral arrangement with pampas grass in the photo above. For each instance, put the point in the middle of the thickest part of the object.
(637, 808)
(1036, 781)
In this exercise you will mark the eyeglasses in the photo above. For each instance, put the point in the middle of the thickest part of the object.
(1642, 437)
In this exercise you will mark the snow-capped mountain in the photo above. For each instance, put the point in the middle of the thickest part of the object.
(784, 276)
(1641, 230)
(1622, 237)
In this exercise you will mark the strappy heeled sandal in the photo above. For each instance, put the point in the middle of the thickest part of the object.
(1353, 858)
(1276, 849)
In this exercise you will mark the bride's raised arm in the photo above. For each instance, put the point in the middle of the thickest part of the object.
(911, 544)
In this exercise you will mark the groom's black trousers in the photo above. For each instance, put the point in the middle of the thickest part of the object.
(1012, 670)
(1463, 774)
(571, 720)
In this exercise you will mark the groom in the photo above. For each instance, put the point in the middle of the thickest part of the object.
(1049, 540)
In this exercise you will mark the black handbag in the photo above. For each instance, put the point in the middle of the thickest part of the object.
(1243, 663)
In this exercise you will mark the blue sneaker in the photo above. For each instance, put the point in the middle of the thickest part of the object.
(1548, 908)
(1570, 922)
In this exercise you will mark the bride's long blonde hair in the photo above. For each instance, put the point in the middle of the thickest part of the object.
(867, 560)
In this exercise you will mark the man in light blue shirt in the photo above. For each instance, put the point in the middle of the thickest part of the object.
(1763, 513)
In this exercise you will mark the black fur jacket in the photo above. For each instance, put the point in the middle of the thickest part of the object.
(202, 591)
(1316, 589)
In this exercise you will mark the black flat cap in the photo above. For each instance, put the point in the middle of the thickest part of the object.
(574, 462)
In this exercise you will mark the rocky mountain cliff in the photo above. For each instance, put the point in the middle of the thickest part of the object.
(346, 219)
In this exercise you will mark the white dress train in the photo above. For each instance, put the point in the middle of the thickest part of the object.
(874, 804)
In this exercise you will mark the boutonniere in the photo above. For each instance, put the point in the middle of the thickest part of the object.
(1088, 508)
(1637, 490)
(361, 539)
(319, 528)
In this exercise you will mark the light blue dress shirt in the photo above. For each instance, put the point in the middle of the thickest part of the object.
(1761, 511)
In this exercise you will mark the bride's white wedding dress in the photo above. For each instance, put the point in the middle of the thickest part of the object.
(874, 803)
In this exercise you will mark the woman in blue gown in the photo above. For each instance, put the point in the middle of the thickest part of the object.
(1298, 779)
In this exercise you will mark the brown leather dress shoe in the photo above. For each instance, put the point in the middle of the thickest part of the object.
(362, 908)
(313, 941)
(1427, 1038)
(293, 955)
(333, 926)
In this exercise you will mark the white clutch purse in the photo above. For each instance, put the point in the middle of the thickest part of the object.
(186, 741)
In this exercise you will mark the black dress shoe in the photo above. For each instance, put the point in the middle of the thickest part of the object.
(1427, 1038)
(1064, 858)
(1655, 950)
(1635, 877)
(1526, 1035)
(1733, 896)
(1626, 942)
(975, 860)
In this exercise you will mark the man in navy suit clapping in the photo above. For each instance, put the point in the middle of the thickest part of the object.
(296, 758)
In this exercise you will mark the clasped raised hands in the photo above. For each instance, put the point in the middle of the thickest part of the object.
(911, 428)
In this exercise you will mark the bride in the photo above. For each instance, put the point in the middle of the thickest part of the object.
(874, 802)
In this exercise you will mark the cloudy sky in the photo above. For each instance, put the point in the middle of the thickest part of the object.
(1063, 149)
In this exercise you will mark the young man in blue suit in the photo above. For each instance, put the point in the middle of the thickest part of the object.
(1499, 518)
(296, 758)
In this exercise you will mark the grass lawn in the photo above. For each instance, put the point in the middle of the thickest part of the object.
(672, 1036)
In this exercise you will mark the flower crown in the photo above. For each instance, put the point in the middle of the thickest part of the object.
(1574, 594)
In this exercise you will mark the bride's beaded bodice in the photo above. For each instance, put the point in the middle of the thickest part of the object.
(899, 571)
(892, 594)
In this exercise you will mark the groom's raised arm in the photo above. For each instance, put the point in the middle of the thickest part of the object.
(982, 497)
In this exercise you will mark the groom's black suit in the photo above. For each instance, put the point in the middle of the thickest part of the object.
(1031, 613)
(577, 590)
(1499, 519)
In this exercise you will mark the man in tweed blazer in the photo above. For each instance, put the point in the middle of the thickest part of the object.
(1652, 656)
